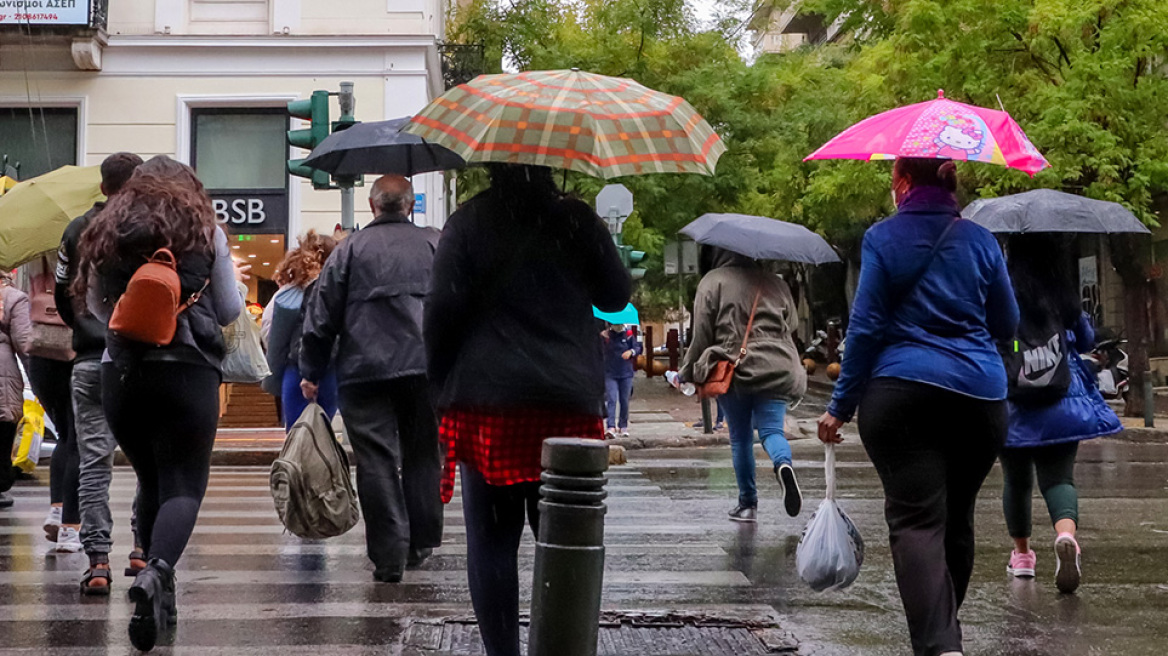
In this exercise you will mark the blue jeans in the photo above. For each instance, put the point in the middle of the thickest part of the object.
(745, 413)
(293, 400)
(617, 389)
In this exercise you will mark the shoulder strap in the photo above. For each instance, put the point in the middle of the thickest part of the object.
(749, 327)
(920, 275)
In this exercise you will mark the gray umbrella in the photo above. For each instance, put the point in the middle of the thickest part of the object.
(1047, 210)
(761, 238)
(380, 147)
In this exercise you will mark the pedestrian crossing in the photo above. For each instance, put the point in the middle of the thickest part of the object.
(246, 586)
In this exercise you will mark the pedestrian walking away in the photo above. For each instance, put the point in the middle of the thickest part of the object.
(161, 398)
(513, 347)
(621, 349)
(367, 305)
(95, 441)
(932, 305)
(50, 382)
(739, 302)
(15, 340)
(1045, 429)
(296, 276)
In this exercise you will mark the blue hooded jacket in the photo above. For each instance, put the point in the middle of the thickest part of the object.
(615, 344)
(944, 330)
(1080, 415)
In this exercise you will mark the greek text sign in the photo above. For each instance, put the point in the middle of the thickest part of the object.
(44, 12)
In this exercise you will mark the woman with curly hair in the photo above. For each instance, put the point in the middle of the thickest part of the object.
(162, 402)
(296, 276)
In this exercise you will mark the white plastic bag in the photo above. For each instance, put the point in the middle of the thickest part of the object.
(245, 361)
(831, 550)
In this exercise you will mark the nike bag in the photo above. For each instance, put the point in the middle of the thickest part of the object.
(30, 434)
(245, 361)
(1037, 368)
(831, 550)
(310, 480)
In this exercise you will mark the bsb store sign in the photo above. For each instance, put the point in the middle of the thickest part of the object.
(251, 212)
(44, 12)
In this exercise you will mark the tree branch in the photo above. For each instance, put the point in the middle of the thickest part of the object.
(1062, 50)
(1046, 66)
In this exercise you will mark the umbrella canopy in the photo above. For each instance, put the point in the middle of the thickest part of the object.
(603, 126)
(6, 183)
(938, 128)
(380, 147)
(1047, 210)
(761, 238)
(629, 315)
(34, 213)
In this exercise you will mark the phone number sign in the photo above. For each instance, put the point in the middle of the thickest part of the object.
(44, 12)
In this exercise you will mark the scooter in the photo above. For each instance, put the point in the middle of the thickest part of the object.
(1109, 362)
(820, 349)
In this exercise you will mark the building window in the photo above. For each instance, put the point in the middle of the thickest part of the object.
(40, 139)
(240, 148)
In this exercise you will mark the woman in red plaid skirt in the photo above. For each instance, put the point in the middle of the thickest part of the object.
(513, 350)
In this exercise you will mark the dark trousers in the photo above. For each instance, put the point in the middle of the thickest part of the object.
(164, 416)
(394, 432)
(494, 517)
(933, 450)
(1055, 466)
(51, 383)
(7, 439)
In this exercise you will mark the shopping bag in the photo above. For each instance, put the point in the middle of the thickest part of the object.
(30, 434)
(831, 550)
(245, 361)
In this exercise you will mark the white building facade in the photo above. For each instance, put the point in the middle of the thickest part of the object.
(207, 82)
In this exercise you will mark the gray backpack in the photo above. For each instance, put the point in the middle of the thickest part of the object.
(310, 480)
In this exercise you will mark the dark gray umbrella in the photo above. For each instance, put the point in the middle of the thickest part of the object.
(761, 238)
(380, 147)
(1047, 210)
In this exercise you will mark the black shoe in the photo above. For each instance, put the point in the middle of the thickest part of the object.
(6, 500)
(418, 556)
(792, 497)
(387, 575)
(743, 513)
(153, 595)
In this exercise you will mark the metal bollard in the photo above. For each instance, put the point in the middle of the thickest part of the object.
(569, 553)
(1149, 401)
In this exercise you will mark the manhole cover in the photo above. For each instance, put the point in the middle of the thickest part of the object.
(624, 634)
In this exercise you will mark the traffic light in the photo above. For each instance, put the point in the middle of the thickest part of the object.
(315, 110)
(632, 258)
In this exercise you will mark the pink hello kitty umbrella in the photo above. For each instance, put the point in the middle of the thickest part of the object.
(938, 128)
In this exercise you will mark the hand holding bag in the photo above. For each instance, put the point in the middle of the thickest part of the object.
(718, 382)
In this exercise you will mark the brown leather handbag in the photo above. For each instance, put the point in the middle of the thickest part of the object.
(148, 310)
(718, 382)
(51, 338)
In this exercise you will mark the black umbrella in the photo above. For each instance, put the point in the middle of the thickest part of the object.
(1047, 210)
(761, 238)
(380, 147)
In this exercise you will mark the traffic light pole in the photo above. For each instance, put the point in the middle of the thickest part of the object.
(348, 105)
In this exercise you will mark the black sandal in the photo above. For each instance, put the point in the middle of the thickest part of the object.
(133, 570)
(97, 571)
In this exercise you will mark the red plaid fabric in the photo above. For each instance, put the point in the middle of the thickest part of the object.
(505, 445)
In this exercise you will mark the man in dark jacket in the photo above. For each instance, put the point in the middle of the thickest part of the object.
(370, 296)
(95, 442)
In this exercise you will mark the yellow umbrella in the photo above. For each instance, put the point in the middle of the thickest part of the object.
(34, 213)
(6, 183)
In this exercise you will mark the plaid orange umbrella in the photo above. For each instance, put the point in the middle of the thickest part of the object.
(603, 126)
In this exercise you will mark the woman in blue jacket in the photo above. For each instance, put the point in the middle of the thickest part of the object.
(1044, 436)
(621, 349)
(933, 302)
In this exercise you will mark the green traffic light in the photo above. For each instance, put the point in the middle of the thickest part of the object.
(315, 110)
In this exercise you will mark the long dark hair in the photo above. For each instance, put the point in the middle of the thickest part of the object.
(527, 189)
(1044, 279)
(164, 205)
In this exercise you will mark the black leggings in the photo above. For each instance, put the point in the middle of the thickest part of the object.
(1055, 466)
(933, 450)
(164, 416)
(7, 439)
(51, 381)
(494, 525)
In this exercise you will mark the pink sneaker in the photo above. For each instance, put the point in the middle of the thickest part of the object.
(1022, 565)
(1067, 572)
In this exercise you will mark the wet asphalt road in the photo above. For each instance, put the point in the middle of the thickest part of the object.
(245, 588)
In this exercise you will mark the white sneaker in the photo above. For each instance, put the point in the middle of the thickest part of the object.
(68, 540)
(53, 523)
(624, 433)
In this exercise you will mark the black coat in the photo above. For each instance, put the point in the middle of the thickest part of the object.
(369, 296)
(88, 330)
(509, 321)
